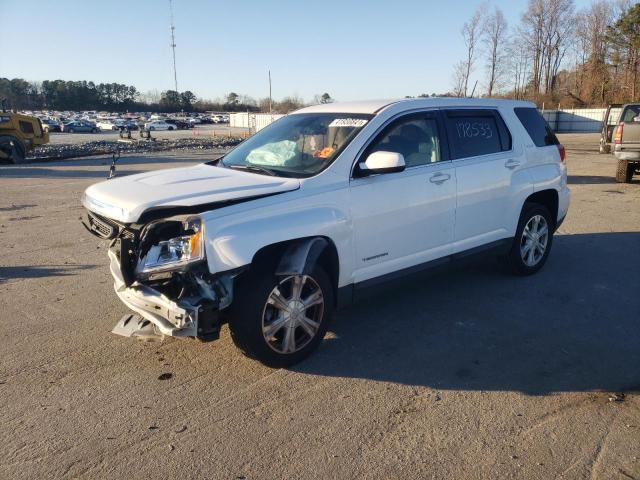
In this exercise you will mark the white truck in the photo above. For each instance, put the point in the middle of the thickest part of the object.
(328, 200)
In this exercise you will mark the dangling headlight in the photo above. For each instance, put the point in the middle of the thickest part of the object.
(177, 252)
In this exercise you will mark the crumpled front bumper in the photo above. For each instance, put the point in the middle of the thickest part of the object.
(175, 319)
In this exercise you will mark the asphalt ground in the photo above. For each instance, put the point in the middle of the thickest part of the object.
(464, 373)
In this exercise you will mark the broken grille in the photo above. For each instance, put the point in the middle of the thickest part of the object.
(101, 227)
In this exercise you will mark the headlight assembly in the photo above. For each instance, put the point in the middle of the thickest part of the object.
(175, 253)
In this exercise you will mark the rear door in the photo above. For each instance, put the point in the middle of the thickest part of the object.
(404, 219)
(484, 161)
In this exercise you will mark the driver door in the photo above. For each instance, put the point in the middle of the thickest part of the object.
(404, 219)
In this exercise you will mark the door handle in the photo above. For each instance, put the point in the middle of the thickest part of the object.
(439, 178)
(511, 164)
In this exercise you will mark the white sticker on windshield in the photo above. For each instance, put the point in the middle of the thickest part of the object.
(348, 122)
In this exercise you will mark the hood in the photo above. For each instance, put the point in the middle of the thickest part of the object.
(125, 199)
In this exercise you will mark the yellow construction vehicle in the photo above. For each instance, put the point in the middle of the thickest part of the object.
(19, 134)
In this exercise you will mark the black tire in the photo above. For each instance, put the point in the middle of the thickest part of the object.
(246, 315)
(71, 130)
(19, 153)
(152, 128)
(94, 130)
(515, 260)
(170, 128)
(624, 172)
(13, 148)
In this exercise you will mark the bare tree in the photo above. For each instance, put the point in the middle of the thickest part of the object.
(471, 32)
(151, 96)
(546, 27)
(494, 33)
(591, 71)
(459, 79)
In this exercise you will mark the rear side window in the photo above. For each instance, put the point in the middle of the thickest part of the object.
(476, 132)
(26, 127)
(630, 113)
(536, 126)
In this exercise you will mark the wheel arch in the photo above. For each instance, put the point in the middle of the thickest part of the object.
(300, 256)
(548, 198)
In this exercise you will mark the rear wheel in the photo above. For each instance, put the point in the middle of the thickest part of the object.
(624, 172)
(71, 130)
(280, 321)
(533, 240)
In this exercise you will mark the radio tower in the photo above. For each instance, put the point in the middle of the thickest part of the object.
(173, 46)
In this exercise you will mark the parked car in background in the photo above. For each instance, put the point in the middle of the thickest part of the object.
(49, 125)
(159, 125)
(206, 120)
(106, 125)
(194, 121)
(179, 124)
(321, 204)
(79, 126)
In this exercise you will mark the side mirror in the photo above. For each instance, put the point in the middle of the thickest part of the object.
(382, 162)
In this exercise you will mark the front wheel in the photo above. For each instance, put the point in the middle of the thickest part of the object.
(280, 321)
(532, 243)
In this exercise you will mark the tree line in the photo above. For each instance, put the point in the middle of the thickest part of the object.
(555, 54)
(64, 95)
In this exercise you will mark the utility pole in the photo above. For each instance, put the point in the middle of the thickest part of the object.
(173, 46)
(269, 91)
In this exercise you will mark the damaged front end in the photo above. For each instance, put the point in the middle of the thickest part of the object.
(160, 273)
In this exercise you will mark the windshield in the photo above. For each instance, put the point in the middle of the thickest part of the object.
(298, 145)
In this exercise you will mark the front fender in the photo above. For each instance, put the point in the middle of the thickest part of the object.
(233, 244)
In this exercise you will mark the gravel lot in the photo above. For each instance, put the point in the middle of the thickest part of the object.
(470, 373)
(198, 131)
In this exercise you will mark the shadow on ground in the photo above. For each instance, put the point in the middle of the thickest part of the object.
(40, 271)
(65, 169)
(39, 172)
(572, 327)
(589, 180)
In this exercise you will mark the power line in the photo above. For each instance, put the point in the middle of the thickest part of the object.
(173, 46)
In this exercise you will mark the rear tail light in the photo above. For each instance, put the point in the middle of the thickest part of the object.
(618, 136)
(562, 152)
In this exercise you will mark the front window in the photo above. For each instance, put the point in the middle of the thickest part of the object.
(298, 145)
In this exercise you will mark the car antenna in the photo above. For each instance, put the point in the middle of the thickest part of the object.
(474, 89)
(114, 159)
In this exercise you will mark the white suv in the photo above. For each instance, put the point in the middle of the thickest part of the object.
(294, 221)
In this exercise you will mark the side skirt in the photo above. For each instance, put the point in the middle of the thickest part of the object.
(349, 294)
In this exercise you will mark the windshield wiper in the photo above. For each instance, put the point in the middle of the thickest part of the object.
(253, 168)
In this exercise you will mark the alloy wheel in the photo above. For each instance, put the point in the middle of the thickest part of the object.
(534, 240)
(292, 314)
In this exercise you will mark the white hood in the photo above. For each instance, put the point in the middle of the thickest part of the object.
(125, 198)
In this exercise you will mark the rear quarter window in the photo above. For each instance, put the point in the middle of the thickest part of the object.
(536, 126)
(630, 113)
(476, 132)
